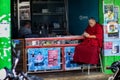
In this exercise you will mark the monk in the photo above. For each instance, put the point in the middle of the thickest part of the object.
(88, 50)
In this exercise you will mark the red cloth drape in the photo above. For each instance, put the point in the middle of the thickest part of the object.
(88, 50)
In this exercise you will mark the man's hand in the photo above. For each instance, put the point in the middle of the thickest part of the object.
(86, 34)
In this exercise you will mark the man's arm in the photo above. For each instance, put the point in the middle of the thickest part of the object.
(91, 36)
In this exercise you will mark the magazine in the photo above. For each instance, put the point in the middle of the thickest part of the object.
(116, 12)
(113, 29)
(108, 13)
(115, 49)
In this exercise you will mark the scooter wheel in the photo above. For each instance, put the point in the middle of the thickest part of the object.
(114, 66)
(111, 78)
(32, 77)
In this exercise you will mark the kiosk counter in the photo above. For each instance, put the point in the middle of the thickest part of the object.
(50, 54)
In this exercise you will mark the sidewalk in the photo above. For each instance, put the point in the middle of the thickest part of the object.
(74, 75)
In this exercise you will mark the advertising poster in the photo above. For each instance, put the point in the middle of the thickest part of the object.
(112, 30)
(69, 63)
(5, 36)
(53, 58)
(112, 48)
(25, 11)
(111, 13)
(43, 59)
(108, 13)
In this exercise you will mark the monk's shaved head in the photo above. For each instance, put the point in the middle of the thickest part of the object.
(92, 22)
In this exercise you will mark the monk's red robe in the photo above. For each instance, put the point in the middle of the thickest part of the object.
(88, 50)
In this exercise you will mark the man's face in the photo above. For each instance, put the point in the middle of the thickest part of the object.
(111, 27)
(27, 25)
(92, 22)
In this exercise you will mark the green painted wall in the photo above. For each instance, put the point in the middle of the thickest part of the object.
(101, 19)
(108, 60)
(5, 36)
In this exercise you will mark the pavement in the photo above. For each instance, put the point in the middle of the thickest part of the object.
(74, 75)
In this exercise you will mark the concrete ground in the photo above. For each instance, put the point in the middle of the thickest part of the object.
(74, 75)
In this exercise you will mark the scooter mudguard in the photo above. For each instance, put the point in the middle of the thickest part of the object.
(3, 74)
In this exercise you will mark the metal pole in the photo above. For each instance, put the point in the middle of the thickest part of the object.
(18, 6)
(66, 10)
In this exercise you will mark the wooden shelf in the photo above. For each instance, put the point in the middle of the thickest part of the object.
(42, 14)
(47, 2)
(59, 30)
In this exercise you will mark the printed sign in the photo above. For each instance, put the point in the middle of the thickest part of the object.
(43, 59)
(69, 63)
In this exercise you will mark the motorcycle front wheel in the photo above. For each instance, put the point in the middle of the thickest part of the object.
(32, 77)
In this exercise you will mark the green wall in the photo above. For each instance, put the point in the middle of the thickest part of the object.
(101, 19)
(108, 60)
(5, 36)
